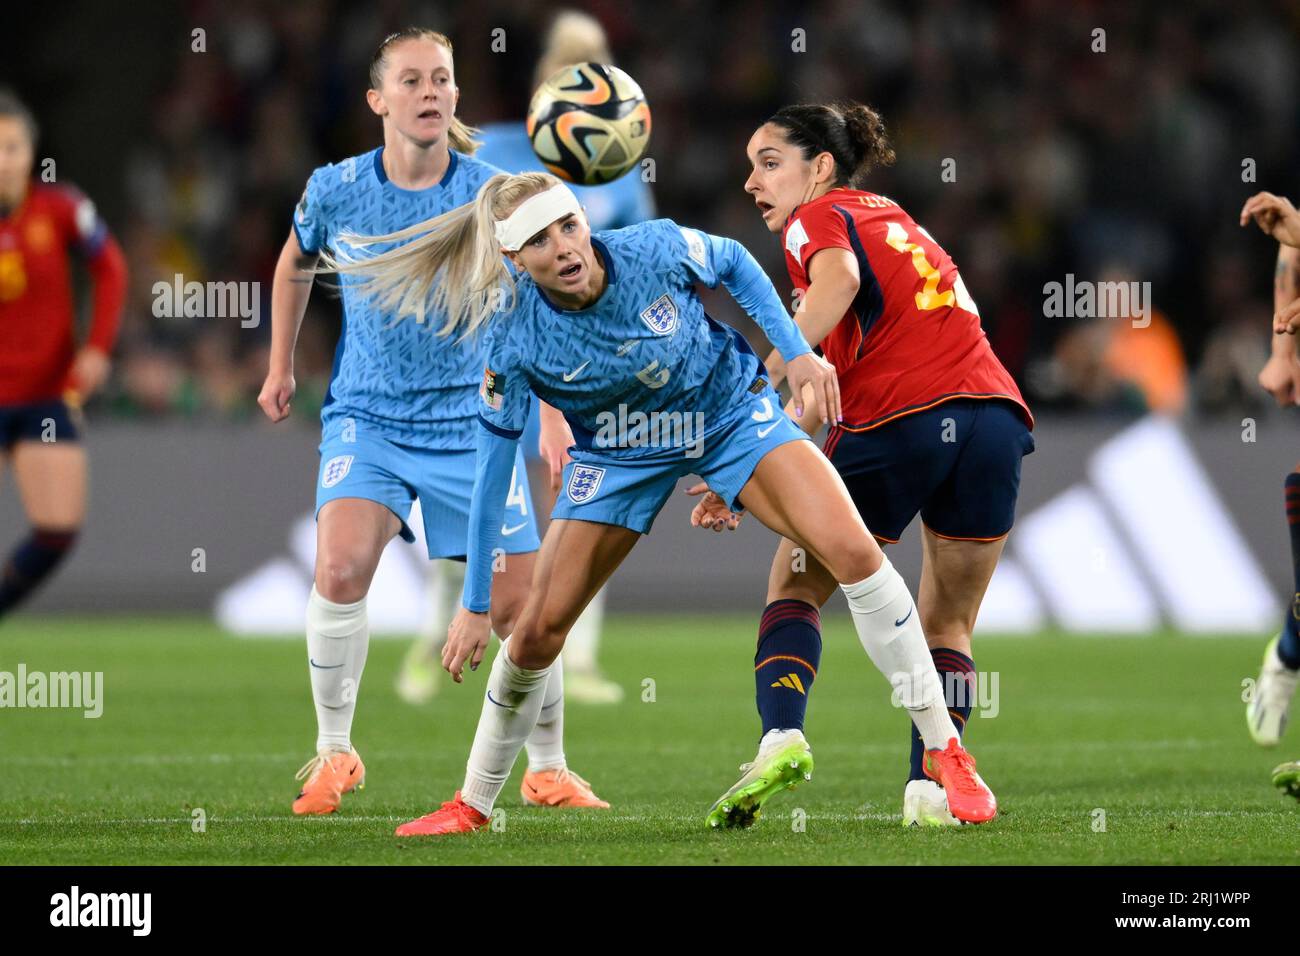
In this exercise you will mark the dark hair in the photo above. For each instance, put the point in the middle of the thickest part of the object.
(852, 133)
(11, 105)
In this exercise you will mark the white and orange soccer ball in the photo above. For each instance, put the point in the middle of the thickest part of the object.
(589, 123)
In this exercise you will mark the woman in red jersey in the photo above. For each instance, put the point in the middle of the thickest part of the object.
(43, 375)
(933, 423)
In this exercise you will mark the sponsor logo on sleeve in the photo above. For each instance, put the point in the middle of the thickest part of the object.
(493, 385)
(795, 239)
(695, 247)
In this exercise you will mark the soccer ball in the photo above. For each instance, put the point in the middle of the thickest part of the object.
(589, 123)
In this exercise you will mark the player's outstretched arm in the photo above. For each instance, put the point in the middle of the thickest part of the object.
(1275, 216)
(467, 637)
(753, 291)
(833, 281)
(290, 290)
(1280, 376)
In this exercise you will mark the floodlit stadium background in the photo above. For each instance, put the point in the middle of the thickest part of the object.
(1157, 484)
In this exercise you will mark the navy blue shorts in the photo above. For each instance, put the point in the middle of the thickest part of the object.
(50, 420)
(958, 464)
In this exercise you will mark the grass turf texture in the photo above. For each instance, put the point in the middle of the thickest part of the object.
(1149, 730)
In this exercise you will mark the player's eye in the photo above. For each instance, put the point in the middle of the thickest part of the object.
(570, 226)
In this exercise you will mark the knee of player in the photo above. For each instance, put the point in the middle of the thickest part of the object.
(340, 579)
(534, 645)
(856, 560)
(503, 621)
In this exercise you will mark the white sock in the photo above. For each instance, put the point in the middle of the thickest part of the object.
(545, 745)
(583, 639)
(338, 636)
(511, 705)
(890, 631)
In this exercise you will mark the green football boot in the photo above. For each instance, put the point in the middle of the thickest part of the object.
(784, 761)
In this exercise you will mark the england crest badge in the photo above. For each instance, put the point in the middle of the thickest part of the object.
(584, 482)
(661, 316)
(335, 470)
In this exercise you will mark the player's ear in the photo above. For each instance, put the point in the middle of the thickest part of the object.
(823, 167)
(375, 100)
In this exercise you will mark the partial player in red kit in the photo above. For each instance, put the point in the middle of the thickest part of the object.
(933, 423)
(44, 376)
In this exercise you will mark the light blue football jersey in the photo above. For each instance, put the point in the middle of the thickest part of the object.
(400, 378)
(645, 346)
(625, 201)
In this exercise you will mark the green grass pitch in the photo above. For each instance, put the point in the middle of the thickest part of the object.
(1149, 731)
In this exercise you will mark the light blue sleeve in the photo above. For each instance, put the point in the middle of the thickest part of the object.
(506, 395)
(309, 223)
(494, 465)
(713, 259)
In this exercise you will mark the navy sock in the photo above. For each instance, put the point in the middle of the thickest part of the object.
(789, 652)
(1288, 648)
(31, 562)
(957, 674)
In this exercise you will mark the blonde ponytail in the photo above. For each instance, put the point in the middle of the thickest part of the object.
(460, 137)
(452, 264)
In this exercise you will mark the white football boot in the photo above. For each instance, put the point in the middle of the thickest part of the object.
(1267, 709)
(926, 805)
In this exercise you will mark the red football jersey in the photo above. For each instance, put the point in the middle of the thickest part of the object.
(36, 301)
(911, 338)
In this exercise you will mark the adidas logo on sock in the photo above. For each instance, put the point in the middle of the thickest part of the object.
(792, 681)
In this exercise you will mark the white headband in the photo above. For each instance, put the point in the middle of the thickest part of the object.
(534, 214)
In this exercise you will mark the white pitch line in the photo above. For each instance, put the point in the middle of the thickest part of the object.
(46, 760)
(530, 818)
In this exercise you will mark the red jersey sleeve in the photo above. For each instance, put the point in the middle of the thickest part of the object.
(84, 231)
(812, 229)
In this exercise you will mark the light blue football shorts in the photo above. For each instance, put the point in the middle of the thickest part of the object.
(370, 466)
(631, 491)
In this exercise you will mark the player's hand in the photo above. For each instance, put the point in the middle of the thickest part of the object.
(1280, 377)
(811, 369)
(711, 511)
(553, 444)
(90, 371)
(467, 639)
(1287, 318)
(276, 396)
(1275, 216)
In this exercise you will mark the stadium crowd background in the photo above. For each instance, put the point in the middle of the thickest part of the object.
(1126, 163)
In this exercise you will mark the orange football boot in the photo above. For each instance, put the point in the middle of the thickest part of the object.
(329, 775)
(454, 816)
(969, 798)
(559, 788)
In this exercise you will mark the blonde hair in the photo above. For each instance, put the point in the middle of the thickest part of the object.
(452, 264)
(574, 37)
(460, 136)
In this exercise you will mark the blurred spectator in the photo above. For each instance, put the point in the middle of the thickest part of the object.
(1063, 159)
